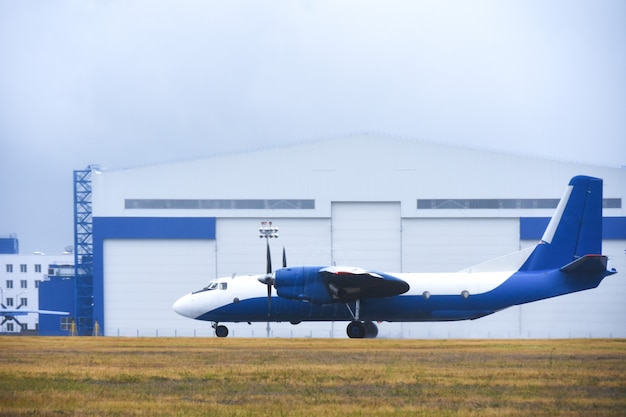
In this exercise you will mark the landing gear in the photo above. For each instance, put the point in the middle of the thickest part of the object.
(356, 330)
(220, 330)
(359, 330)
(371, 330)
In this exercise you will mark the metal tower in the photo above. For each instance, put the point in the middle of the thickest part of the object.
(83, 253)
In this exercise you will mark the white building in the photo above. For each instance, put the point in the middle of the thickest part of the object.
(391, 204)
(20, 276)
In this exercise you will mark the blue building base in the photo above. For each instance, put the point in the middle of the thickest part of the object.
(56, 294)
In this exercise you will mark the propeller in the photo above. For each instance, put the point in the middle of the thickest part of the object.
(6, 318)
(269, 280)
(268, 231)
(9, 318)
(269, 277)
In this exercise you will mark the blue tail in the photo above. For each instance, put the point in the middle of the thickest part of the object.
(575, 230)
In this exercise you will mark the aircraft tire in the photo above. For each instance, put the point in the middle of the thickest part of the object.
(371, 330)
(356, 330)
(221, 331)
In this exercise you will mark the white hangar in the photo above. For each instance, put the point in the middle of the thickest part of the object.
(367, 200)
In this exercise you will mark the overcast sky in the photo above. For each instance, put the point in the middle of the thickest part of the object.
(126, 83)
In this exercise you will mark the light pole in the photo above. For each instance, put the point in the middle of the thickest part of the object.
(268, 231)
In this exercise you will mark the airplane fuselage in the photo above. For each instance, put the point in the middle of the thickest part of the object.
(431, 297)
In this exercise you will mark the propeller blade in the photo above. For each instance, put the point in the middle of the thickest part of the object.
(268, 265)
(269, 306)
(269, 299)
(284, 258)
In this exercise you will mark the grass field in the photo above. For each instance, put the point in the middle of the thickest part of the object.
(42, 376)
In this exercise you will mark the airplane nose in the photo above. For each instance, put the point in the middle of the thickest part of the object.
(184, 306)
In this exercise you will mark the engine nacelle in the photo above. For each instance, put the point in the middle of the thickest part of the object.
(304, 283)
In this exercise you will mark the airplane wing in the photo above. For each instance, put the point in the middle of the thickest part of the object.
(11, 314)
(23, 312)
(57, 313)
(349, 284)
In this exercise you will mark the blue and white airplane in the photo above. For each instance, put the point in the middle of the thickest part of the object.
(10, 314)
(566, 260)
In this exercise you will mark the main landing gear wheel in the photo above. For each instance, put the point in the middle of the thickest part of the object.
(359, 330)
(371, 330)
(356, 330)
(221, 331)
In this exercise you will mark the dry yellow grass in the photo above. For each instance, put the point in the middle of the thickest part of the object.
(302, 377)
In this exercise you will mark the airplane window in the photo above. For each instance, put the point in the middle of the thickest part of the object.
(212, 285)
(223, 285)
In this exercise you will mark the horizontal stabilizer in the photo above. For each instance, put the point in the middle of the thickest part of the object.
(586, 264)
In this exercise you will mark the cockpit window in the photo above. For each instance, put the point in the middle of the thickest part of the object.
(212, 285)
(223, 285)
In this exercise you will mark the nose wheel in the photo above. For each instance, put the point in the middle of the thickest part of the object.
(220, 330)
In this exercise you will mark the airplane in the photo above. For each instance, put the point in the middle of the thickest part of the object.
(10, 314)
(567, 259)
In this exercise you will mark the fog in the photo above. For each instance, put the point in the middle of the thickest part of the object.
(127, 83)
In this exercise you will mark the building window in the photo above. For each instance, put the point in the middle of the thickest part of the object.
(10, 302)
(9, 268)
(172, 204)
(23, 283)
(23, 268)
(612, 203)
(10, 327)
(501, 203)
(24, 302)
(37, 282)
(486, 203)
(38, 268)
(9, 283)
(66, 323)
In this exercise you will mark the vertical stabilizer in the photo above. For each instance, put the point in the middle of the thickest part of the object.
(575, 230)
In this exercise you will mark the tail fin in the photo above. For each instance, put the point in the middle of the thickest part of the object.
(575, 230)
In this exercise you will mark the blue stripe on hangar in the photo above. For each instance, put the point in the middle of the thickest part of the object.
(532, 228)
(140, 228)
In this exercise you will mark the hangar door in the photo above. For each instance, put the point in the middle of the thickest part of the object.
(367, 235)
(143, 278)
